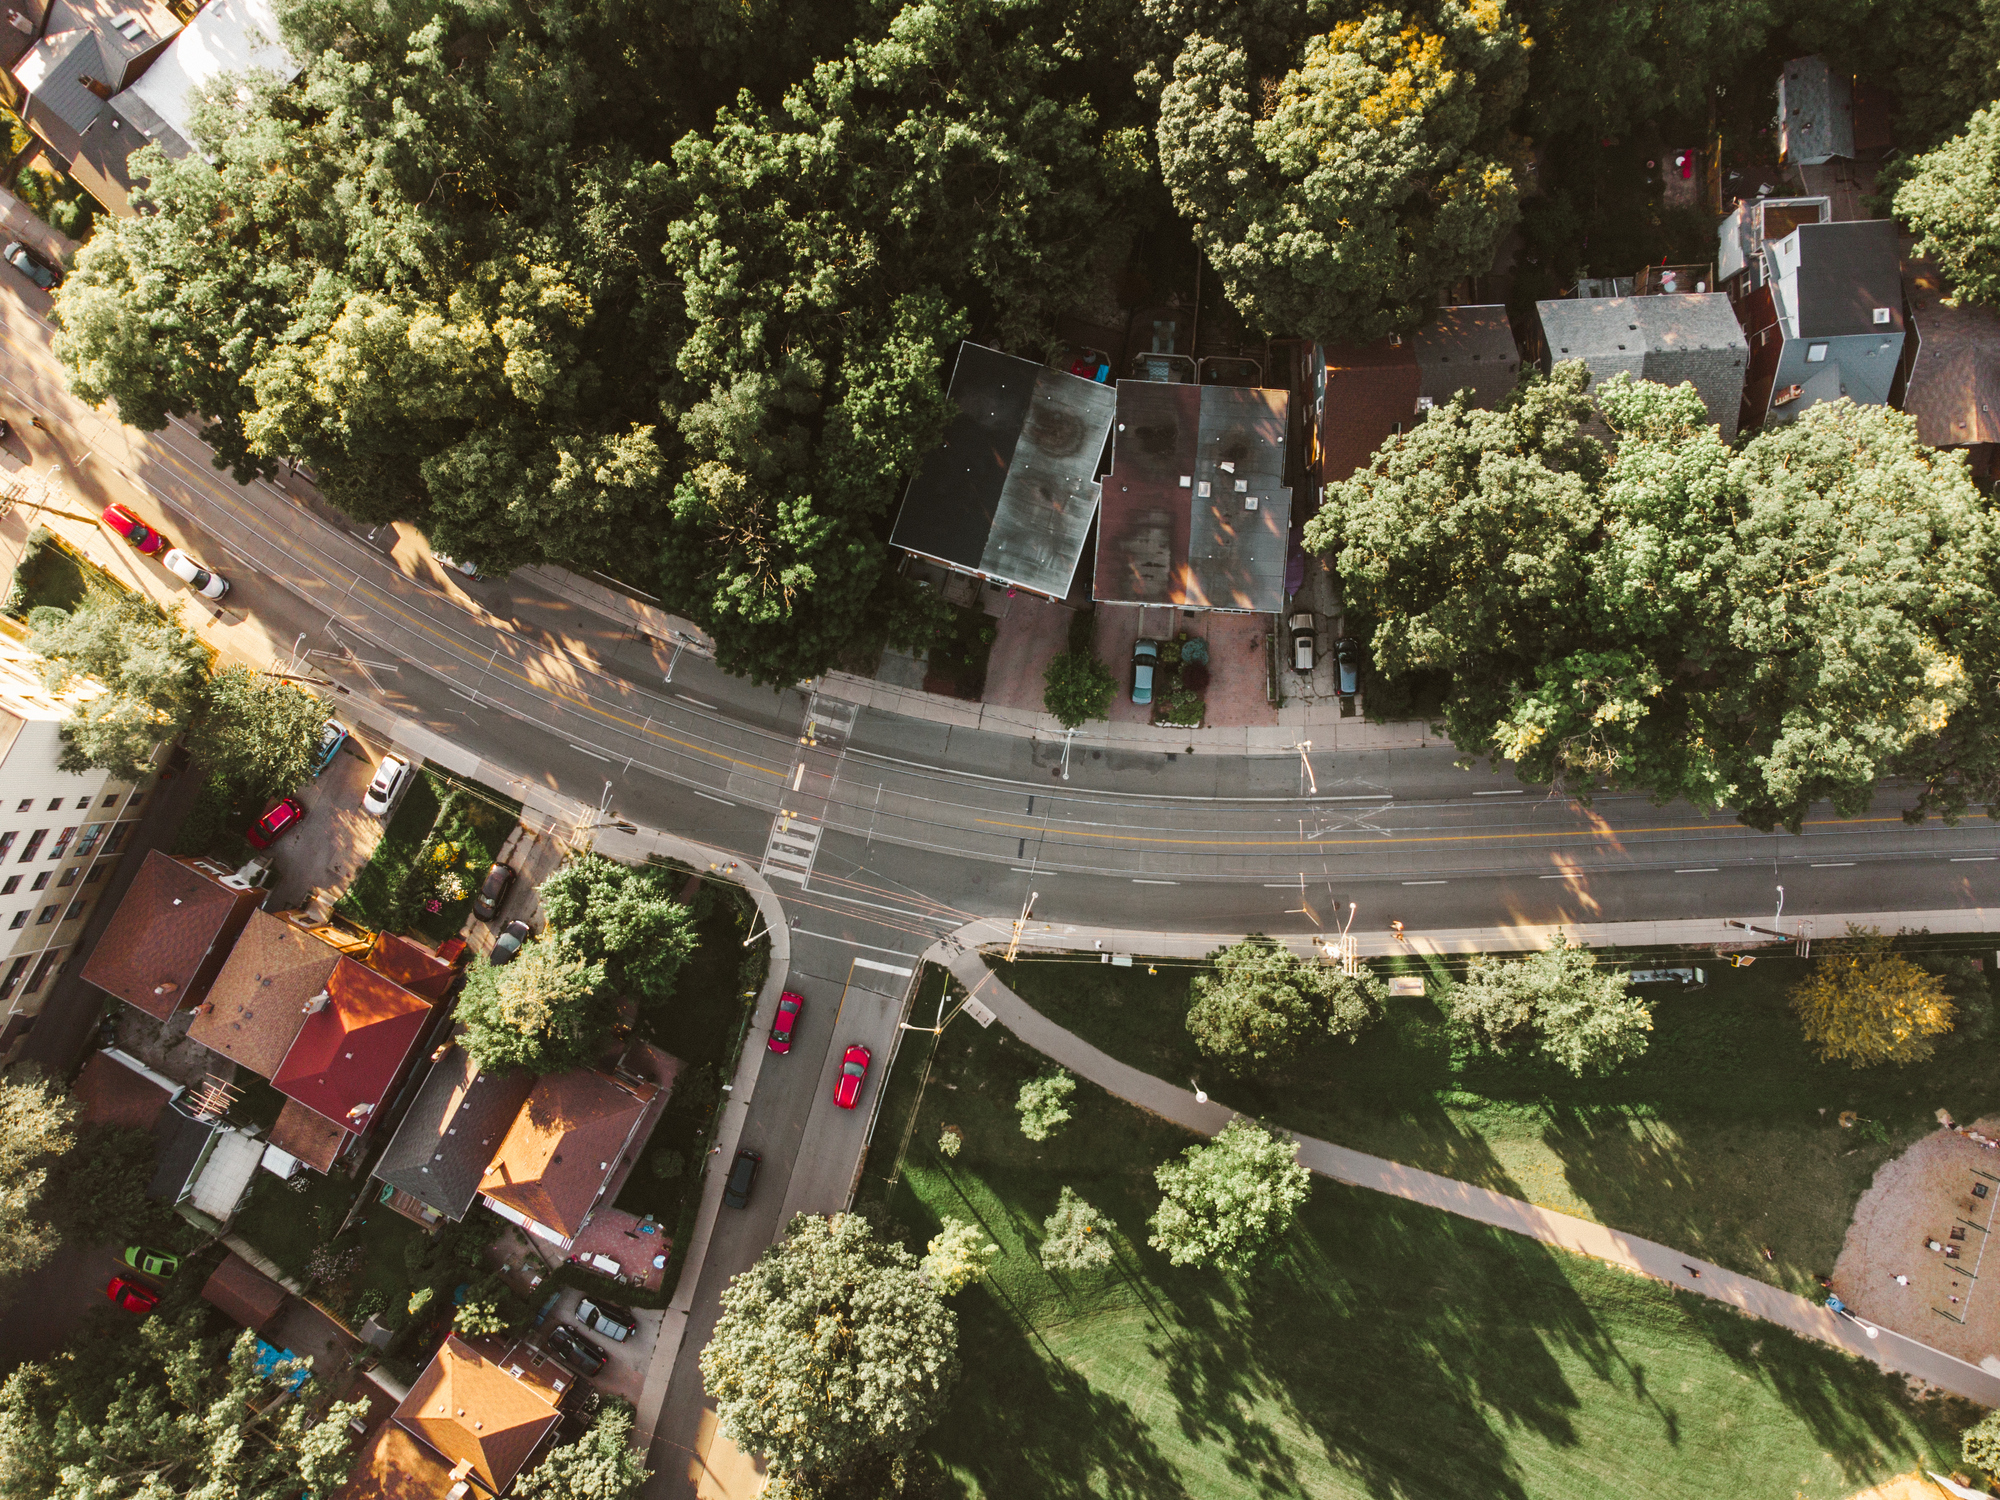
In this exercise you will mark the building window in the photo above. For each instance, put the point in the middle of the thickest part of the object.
(55, 804)
(119, 833)
(42, 969)
(89, 840)
(110, 800)
(6, 842)
(41, 882)
(13, 884)
(26, 803)
(68, 878)
(96, 874)
(48, 915)
(1815, 354)
(14, 973)
(34, 843)
(62, 843)
(76, 909)
(20, 921)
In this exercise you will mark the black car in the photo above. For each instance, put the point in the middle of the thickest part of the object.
(492, 891)
(508, 943)
(736, 1191)
(573, 1348)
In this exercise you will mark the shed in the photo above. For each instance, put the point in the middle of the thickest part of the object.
(1815, 113)
(243, 1293)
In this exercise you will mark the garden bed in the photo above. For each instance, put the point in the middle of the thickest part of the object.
(427, 867)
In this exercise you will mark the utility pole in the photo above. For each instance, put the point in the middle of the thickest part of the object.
(1068, 735)
(1350, 962)
(1021, 922)
(1308, 783)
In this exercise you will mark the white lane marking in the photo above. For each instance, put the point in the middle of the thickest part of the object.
(705, 796)
(869, 963)
(1700, 870)
(1566, 875)
(1974, 859)
(1137, 881)
(1516, 792)
(591, 753)
(1838, 864)
(695, 701)
(1427, 882)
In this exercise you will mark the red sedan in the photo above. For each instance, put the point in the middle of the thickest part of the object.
(264, 832)
(131, 1296)
(134, 530)
(853, 1072)
(789, 1006)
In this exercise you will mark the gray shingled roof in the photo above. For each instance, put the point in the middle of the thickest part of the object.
(451, 1132)
(1468, 348)
(1629, 328)
(1815, 113)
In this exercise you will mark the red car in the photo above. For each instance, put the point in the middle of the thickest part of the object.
(853, 1070)
(264, 832)
(131, 1296)
(134, 530)
(789, 1006)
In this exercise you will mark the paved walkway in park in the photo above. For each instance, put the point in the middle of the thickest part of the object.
(1892, 1351)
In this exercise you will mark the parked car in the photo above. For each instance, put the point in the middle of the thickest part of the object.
(1145, 661)
(389, 779)
(573, 1348)
(263, 833)
(492, 891)
(31, 265)
(1305, 643)
(789, 1005)
(742, 1176)
(508, 944)
(853, 1073)
(332, 735)
(131, 1296)
(607, 1318)
(194, 575)
(134, 530)
(152, 1262)
(1347, 651)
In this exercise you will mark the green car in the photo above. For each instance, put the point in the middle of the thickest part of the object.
(151, 1261)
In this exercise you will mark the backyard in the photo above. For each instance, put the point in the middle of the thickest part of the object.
(436, 848)
(1385, 1349)
(1722, 1140)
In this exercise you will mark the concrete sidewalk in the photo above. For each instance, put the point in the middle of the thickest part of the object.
(1890, 1350)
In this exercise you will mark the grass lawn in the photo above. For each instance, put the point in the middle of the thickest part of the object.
(387, 892)
(50, 574)
(289, 1226)
(1723, 1139)
(1386, 1349)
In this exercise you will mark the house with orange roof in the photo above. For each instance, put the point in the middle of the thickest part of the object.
(563, 1149)
(486, 1410)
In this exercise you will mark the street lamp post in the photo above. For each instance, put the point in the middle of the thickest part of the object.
(1350, 962)
(1020, 922)
(1308, 782)
(1068, 735)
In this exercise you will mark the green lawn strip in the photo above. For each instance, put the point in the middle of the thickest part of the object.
(1722, 1140)
(1387, 1349)
(51, 573)
(371, 896)
(478, 820)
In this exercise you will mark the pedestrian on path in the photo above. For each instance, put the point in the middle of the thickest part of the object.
(1900, 1279)
(37, 422)
(1691, 1270)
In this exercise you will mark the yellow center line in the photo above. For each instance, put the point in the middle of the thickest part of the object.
(1433, 838)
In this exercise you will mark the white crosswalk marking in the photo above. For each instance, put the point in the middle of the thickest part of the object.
(793, 843)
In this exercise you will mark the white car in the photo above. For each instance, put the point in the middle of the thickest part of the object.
(193, 574)
(389, 778)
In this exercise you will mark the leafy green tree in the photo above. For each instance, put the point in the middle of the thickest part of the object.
(600, 1465)
(1866, 1004)
(546, 1012)
(260, 737)
(1262, 1003)
(1076, 1237)
(37, 1128)
(831, 1347)
(1981, 1443)
(1951, 198)
(149, 674)
(96, 1189)
(1044, 1104)
(1077, 688)
(957, 1256)
(1226, 1202)
(1383, 173)
(154, 1409)
(1557, 1002)
(623, 917)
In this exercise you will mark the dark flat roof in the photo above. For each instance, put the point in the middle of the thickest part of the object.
(1846, 271)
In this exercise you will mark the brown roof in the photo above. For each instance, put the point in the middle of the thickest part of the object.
(351, 1049)
(1954, 385)
(1371, 395)
(244, 1293)
(411, 965)
(312, 1138)
(451, 1130)
(562, 1145)
(169, 936)
(469, 1409)
(258, 1002)
(392, 1465)
(113, 1094)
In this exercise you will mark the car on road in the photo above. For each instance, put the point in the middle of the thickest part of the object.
(31, 265)
(573, 1348)
(742, 1177)
(607, 1318)
(1145, 662)
(134, 530)
(492, 891)
(853, 1073)
(389, 779)
(507, 945)
(1347, 651)
(332, 735)
(194, 575)
(131, 1296)
(789, 1005)
(1305, 641)
(152, 1262)
(263, 833)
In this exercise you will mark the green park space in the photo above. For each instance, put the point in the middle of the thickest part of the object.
(1723, 1139)
(1383, 1348)
(437, 847)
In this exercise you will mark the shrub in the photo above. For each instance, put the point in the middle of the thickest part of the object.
(1044, 1104)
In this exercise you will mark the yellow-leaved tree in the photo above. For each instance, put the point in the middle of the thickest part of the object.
(1865, 1003)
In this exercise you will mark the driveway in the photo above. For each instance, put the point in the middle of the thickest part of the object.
(337, 837)
(48, 1303)
(625, 1373)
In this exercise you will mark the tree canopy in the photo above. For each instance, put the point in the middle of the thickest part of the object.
(136, 673)
(1263, 1003)
(1556, 1002)
(1225, 1203)
(1043, 1104)
(833, 1346)
(546, 1011)
(36, 1128)
(1951, 198)
(1866, 1004)
(1076, 1237)
(600, 1465)
(623, 917)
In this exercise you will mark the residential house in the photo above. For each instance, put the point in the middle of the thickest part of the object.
(260, 1000)
(562, 1150)
(1740, 264)
(1815, 113)
(1010, 493)
(1951, 380)
(1825, 319)
(1683, 336)
(171, 934)
(61, 835)
(244, 1294)
(448, 1135)
(391, 1464)
(487, 1410)
(1196, 513)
